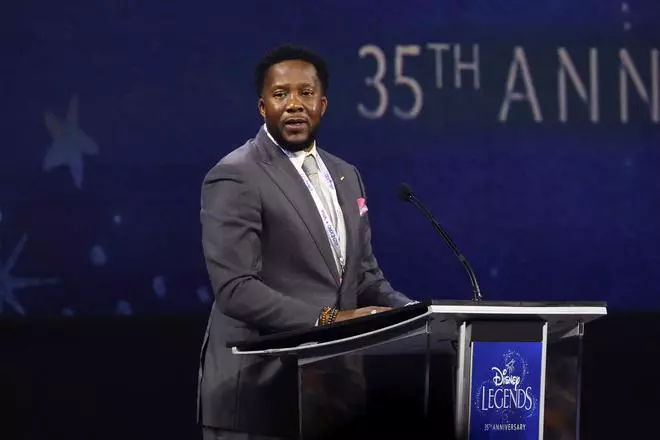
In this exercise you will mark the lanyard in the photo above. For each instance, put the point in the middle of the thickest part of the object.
(330, 230)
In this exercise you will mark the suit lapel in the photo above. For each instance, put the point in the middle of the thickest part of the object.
(285, 176)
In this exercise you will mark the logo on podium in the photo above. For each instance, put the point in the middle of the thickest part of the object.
(506, 384)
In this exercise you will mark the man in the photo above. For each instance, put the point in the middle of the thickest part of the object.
(287, 244)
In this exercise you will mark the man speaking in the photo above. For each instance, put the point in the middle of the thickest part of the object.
(287, 245)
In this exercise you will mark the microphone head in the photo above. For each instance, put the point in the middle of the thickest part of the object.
(405, 192)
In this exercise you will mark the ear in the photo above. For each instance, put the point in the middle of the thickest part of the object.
(262, 108)
(324, 104)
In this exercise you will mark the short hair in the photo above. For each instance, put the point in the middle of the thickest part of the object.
(290, 52)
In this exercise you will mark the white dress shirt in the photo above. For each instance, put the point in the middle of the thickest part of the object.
(330, 195)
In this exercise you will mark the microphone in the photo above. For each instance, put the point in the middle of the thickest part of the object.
(407, 195)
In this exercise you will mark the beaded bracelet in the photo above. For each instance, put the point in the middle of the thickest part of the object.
(328, 315)
(333, 315)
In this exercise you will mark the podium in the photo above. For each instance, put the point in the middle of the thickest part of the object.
(515, 366)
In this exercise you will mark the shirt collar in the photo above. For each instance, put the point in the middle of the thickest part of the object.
(296, 157)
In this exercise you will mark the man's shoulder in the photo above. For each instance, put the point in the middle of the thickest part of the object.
(238, 160)
(243, 155)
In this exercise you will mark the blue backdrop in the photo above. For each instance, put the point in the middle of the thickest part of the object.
(531, 129)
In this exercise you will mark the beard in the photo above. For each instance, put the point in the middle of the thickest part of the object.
(293, 147)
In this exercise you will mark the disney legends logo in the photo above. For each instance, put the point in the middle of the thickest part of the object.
(505, 392)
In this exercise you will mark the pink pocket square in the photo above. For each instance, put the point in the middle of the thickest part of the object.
(362, 206)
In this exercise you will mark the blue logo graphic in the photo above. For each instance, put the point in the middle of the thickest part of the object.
(506, 381)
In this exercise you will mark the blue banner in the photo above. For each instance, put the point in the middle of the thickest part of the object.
(506, 386)
(530, 129)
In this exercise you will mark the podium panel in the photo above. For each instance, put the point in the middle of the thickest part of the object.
(331, 396)
(516, 368)
(338, 396)
(563, 376)
(501, 373)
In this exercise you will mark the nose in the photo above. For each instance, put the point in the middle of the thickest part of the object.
(294, 104)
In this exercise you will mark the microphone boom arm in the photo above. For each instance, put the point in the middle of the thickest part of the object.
(476, 292)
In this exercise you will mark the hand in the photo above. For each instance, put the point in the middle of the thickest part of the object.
(345, 315)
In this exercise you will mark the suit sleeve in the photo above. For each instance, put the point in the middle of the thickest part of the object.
(231, 228)
(373, 288)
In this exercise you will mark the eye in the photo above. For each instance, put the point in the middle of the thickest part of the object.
(279, 94)
(308, 92)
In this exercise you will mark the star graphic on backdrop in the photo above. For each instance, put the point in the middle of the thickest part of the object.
(9, 283)
(69, 143)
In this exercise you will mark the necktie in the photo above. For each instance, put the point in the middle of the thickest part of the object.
(311, 169)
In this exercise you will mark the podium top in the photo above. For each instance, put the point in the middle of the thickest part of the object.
(468, 302)
(334, 332)
(443, 314)
(584, 311)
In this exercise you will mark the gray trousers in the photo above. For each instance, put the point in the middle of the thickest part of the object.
(333, 394)
(220, 434)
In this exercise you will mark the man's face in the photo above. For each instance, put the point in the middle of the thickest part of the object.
(292, 103)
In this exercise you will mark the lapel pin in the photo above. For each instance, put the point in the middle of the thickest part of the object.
(341, 178)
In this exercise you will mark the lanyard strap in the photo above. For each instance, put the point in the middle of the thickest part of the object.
(330, 230)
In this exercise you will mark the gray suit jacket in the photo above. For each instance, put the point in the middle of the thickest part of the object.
(272, 269)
